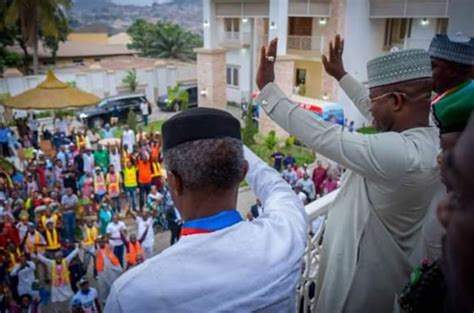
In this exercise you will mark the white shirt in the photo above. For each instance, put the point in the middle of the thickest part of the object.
(113, 230)
(86, 301)
(115, 161)
(142, 226)
(144, 108)
(88, 162)
(302, 197)
(22, 229)
(128, 137)
(222, 271)
(26, 277)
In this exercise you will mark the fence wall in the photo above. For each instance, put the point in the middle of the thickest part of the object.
(154, 82)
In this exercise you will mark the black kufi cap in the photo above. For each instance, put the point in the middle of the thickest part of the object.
(199, 123)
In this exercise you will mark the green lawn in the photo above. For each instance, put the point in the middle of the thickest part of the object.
(152, 126)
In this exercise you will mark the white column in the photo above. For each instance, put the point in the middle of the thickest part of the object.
(278, 24)
(209, 24)
(171, 74)
(460, 14)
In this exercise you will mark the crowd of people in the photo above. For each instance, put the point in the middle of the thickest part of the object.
(69, 197)
(65, 195)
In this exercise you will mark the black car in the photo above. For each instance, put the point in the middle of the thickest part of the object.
(165, 105)
(99, 115)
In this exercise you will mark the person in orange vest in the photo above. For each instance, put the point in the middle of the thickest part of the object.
(99, 185)
(107, 266)
(144, 177)
(113, 180)
(135, 254)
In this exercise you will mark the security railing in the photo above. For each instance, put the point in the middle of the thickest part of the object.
(309, 43)
(317, 211)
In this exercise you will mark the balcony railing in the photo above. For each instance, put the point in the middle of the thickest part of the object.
(309, 43)
(235, 38)
(317, 210)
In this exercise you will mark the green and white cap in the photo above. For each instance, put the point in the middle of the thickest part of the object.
(399, 66)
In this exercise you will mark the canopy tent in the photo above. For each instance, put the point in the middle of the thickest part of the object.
(51, 94)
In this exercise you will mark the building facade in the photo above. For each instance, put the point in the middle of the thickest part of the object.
(234, 31)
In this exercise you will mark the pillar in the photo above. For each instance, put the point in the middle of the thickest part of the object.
(211, 75)
(284, 76)
(335, 25)
(278, 24)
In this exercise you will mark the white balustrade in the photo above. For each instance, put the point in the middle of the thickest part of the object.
(317, 210)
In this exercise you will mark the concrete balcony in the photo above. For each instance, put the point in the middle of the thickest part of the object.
(306, 43)
(235, 39)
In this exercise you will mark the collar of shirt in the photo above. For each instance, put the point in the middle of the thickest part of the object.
(211, 223)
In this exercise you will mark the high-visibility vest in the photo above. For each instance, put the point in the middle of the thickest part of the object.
(134, 249)
(125, 157)
(99, 263)
(44, 219)
(144, 172)
(52, 240)
(155, 169)
(80, 142)
(155, 152)
(99, 184)
(130, 177)
(32, 245)
(60, 274)
(113, 184)
(90, 236)
(14, 258)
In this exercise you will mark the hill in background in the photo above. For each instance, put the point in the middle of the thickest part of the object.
(187, 13)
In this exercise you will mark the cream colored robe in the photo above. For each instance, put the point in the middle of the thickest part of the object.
(373, 234)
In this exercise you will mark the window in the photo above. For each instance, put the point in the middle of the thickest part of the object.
(396, 31)
(442, 26)
(232, 25)
(232, 76)
(77, 61)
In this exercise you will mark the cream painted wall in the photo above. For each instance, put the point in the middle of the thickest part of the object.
(313, 77)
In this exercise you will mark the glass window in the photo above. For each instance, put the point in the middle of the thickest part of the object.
(232, 76)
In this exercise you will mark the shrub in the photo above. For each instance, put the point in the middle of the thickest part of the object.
(250, 130)
(131, 80)
(132, 120)
(271, 140)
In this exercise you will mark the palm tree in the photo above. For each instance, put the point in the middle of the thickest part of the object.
(173, 42)
(35, 16)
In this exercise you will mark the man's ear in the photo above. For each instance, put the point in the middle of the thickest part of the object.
(245, 170)
(399, 101)
(175, 182)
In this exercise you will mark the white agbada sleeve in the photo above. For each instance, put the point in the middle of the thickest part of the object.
(376, 157)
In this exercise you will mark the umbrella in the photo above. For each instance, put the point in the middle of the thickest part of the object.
(51, 94)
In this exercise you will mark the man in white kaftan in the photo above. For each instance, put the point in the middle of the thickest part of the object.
(245, 267)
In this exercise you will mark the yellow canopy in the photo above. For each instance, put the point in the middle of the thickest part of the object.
(51, 94)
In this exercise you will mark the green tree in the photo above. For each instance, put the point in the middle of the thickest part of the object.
(132, 120)
(131, 80)
(177, 95)
(37, 18)
(164, 40)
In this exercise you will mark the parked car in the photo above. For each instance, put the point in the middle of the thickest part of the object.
(100, 114)
(165, 105)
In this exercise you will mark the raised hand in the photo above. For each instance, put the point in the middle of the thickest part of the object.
(334, 65)
(266, 69)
